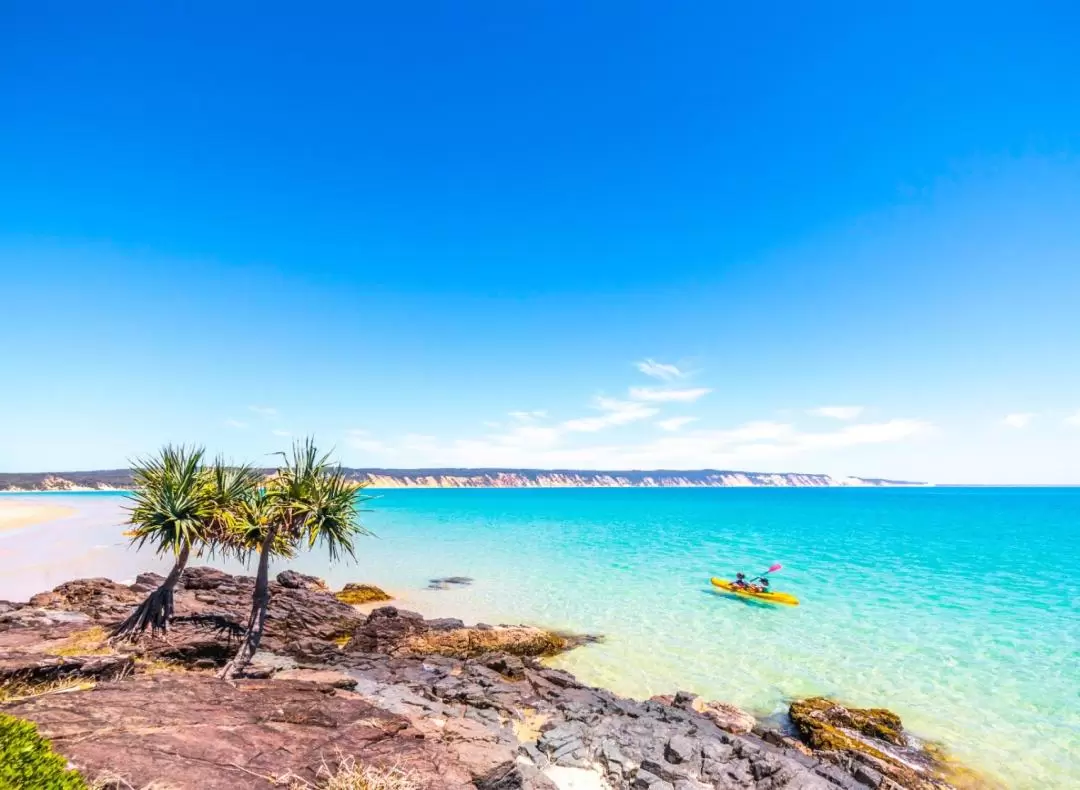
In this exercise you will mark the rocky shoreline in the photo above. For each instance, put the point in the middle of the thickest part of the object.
(443, 704)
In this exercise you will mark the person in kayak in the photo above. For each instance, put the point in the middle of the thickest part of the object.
(740, 582)
(761, 587)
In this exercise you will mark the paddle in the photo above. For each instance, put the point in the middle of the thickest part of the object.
(772, 569)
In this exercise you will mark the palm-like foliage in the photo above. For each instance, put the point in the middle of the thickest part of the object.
(180, 506)
(307, 502)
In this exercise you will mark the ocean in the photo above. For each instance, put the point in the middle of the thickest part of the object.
(958, 608)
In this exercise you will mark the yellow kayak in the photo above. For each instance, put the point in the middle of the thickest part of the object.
(771, 597)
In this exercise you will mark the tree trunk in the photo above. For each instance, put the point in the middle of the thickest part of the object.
(260, 602)
(157, 610)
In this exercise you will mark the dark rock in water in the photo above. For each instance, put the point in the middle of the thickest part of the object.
(868, 743)
(814, 717)
(449, 582)
(354, 594)
(301, 581)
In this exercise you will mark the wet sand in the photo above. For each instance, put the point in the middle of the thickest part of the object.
(16, 515)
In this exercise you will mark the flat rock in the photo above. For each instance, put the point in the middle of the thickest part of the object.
(326, 677)
(191, 732)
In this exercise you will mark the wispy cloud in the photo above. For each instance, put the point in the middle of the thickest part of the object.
(279, 432)
(657, 395)
(659, 370)
(1019, 420)
(359, 439)
(236, 424)
(845, 413)
(529, 416)
(1073, 420)
(675, 423)
(752, 444)
(264, 411)
(615, 412)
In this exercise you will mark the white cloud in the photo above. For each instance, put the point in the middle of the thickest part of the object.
(752, 445)
(659, 370)
(1019, 420)
(236, 424)
(529, 416)
(668, 396)
(616, 412)
(279, 432)
(1073, 420)
(264, 411)
(359, 439)
(675, 423)
(838, 412)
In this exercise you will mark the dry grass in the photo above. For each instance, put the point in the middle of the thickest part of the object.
(18, 690)
(91, 642)
(113, 781)
(155, 666)
(350, 775)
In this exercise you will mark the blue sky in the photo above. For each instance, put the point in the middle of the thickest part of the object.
(596, 235)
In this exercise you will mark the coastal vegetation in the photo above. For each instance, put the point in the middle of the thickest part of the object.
(27, 760)
(307, 502)
(184, 507)
(181, 506)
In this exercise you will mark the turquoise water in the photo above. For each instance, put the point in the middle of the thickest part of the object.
(958, 608)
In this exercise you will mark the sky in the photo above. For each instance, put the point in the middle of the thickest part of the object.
(831, 238)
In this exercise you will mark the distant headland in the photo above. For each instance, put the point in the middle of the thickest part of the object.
(120, 479)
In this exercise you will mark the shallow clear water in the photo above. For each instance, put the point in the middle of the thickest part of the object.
(958, 608)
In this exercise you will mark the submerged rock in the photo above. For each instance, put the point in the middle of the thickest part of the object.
(354, 594)
(449, 582)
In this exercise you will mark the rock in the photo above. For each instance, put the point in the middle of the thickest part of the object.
(449, 582)
(396, 632)
(385, 630)
(327, 677)
(679, 749)
(813, 716)
(293, 580)
(100, 599)
(30, 668)
(354, 594)
(192, 732)
(868, 743)
(726, 717)
(508, 666)
(34, 617)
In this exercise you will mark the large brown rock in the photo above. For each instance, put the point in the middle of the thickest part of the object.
(298, 612)
(725, 716)
(396, 632)
(190, 731)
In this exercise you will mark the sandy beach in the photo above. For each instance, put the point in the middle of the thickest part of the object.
(15, 515)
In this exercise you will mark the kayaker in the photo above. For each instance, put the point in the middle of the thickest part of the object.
(763, 587)
(740, 581)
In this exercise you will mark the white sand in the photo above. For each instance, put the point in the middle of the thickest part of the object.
(15, 515)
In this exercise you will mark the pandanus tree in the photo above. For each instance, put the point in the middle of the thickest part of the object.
(182, 507)
(308, 502)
